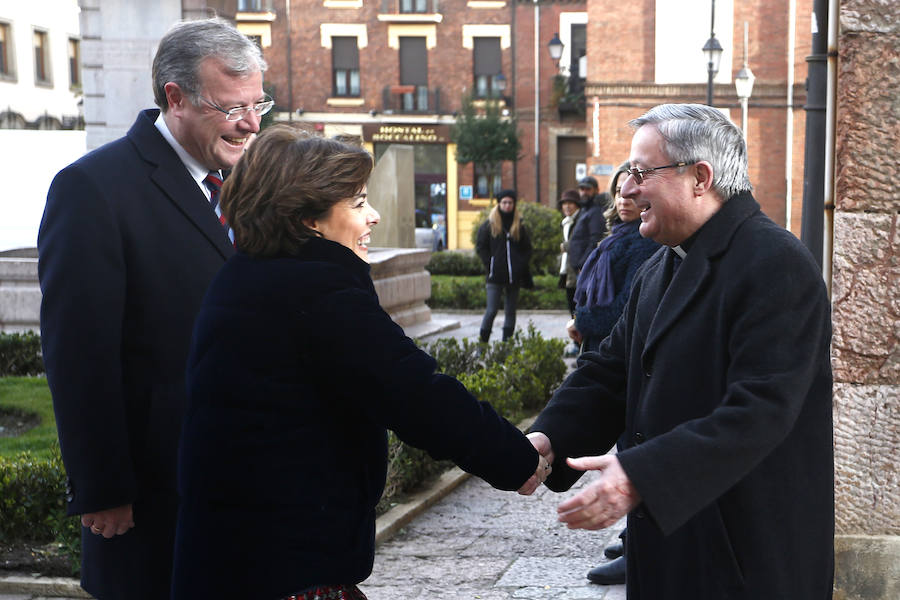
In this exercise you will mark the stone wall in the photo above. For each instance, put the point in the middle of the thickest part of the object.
(20, 295)
(401, 281)
(866, 300)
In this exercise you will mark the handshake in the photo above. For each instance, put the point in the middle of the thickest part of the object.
(542, 444)
(598, 505)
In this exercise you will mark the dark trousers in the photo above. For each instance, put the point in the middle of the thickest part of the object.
(493, 306)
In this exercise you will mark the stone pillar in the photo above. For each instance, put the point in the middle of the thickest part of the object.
(392, 194)
(866, 301)
(20, 295)
(119, 40)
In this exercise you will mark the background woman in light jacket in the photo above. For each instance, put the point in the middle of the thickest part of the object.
(504, 246)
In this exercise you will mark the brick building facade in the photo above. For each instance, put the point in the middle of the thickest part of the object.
(397, 70)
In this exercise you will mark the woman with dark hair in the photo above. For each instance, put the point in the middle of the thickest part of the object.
(605, 281)
(284, 446)
(504, 246)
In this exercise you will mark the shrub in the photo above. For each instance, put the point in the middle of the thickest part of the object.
(515, 377)
(20, 354)
(468, 292)
(455, 262)
(546, 234)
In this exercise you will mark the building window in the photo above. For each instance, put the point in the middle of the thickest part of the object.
(250, 5)
(7, 64)
(482, 187)
(345, 66)
(413, 6)
(74, 63)
(578, 51)
(41, 58)
(486, 55)
(414, 72)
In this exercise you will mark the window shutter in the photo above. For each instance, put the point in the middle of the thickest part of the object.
(413, 61)
(487, 56)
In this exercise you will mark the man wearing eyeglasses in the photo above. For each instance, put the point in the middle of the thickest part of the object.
(718, 378)
(130, 239)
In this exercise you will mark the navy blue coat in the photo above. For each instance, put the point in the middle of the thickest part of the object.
(721, 383)
(626, 255)
(127, 247)
(295, 375)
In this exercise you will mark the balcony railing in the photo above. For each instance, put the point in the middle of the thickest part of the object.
(411, 99)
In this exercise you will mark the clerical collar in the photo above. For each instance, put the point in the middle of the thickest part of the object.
(684, 247)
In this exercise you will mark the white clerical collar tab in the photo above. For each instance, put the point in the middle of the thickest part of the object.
(679, 251)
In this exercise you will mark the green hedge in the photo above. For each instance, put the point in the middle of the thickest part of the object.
(516, 377)
(455, 262)
(468, 292)
(20, 354)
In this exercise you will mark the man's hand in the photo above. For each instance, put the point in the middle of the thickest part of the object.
(540, 474)
(602, 503)
(109, 522)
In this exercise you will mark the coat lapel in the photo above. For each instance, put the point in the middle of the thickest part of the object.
(675, 295)
(172, 178)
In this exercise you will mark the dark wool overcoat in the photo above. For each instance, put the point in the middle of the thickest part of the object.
(127, 247)
(507, 261)
(721, 382)
(295, 375)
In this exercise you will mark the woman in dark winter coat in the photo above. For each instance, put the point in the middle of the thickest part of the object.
(504, 246)
(605, 281)
(295, 375)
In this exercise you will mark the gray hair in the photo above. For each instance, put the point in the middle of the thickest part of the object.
(695, 132)
(188, 43)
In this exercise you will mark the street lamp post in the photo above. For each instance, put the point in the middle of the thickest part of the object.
(743, 85)
(555, 46)
(712, 50)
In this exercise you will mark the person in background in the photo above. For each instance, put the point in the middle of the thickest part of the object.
(569, 203)
(504, 246)
(131, 237)
(591, 225)
(294, 376)
(605, 281)
(716, 381)
(601, 294)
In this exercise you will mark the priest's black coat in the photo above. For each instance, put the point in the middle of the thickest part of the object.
(721, 382)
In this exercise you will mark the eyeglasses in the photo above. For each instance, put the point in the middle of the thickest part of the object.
(240, 112)
(638, 174)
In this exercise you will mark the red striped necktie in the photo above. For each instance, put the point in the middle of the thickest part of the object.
(213, 183)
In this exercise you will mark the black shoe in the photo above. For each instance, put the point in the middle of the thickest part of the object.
(614, 551)
(610, 573)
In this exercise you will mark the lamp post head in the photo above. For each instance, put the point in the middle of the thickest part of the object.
(712, 50)
(555, 46)
(743, 83)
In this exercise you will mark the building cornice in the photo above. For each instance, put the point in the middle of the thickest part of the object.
(772, 94)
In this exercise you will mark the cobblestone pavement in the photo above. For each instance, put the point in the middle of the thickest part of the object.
(482, 543)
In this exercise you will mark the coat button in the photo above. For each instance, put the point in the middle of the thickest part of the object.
(638, 438)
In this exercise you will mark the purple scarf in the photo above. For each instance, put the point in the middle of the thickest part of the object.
(595, 285)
